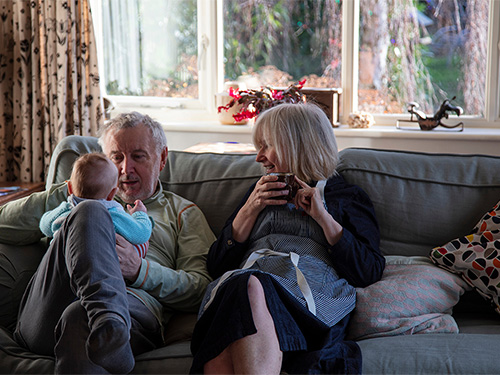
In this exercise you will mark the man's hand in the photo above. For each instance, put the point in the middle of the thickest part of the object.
(130, 262)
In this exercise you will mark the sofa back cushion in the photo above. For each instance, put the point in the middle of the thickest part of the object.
(65, 154)
(216, 183)
(423, 200)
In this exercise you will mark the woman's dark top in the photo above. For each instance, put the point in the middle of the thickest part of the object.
(356, 257)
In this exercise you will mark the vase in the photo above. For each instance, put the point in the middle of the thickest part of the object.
(222, 99)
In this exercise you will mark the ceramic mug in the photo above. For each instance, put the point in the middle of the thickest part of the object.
(291, 185)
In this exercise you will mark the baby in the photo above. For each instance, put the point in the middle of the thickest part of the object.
(94, 176)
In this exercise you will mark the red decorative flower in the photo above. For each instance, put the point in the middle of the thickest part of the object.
(276, 94)
(254, 101)
(234, 93)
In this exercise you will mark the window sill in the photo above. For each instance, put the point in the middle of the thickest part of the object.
(206, 126)
(476, 134)
(472, 140)
(200, 126)
(376, 131)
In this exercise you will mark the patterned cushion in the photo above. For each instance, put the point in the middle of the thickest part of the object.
(476, 257)
(413, 296)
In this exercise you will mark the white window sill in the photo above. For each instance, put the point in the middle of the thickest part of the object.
(470, 141)
(205, 126)
(185, 130)
(376, 131)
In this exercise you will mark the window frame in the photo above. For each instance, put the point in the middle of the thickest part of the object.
(211, 68)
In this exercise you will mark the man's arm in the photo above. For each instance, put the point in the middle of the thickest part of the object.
(19, 219)
(174, 272)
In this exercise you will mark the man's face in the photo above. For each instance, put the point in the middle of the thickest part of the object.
(133, 152)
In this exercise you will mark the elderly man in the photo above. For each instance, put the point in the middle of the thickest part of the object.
(93, 302)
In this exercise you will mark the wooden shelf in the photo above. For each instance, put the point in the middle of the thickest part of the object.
(25, 189)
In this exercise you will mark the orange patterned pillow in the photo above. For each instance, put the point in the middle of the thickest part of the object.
(476, 257)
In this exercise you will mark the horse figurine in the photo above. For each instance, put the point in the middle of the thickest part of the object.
(429, 123)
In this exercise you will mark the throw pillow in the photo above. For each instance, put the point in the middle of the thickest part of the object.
(476, 257)
(413, 296)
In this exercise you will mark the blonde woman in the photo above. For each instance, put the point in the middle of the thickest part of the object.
(287, 271)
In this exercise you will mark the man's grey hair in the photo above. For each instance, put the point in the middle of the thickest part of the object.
(131, 120)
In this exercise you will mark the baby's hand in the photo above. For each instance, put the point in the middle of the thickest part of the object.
(139, 206)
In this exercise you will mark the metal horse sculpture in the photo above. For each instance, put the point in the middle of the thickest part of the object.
(429, 123)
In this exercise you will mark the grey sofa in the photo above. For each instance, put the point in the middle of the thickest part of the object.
(421, 201)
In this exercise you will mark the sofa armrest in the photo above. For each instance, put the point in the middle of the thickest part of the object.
(17, 265)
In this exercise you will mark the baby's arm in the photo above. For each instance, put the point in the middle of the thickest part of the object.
(51, 220)
(135, 228)
(138, 206)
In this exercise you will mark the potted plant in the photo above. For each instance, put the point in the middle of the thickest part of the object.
(251, 102)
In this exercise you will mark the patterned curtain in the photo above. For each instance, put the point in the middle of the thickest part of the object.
(49, 82)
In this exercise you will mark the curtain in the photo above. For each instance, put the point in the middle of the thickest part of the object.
(49, 82)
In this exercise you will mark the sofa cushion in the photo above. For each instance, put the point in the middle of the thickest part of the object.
(180, 327)
(216, 183)
(171, 359)
(413, 296)
(423, 200)
(17, 265)
(65, 154)
(16, 360)
(440, 353)
(476, 257)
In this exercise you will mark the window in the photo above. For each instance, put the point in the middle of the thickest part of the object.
(382, 53)
(150, 47)
(280, 42)
(423, 52)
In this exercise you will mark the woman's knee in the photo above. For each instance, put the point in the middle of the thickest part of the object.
(255, 289)
(256, 296)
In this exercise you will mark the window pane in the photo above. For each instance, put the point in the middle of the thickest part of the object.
(278, 42)
(423, 52)
(150, 47)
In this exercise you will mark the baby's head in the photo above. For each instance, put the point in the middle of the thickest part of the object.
(94, 176)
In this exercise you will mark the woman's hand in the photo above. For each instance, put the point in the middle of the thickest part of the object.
(130, 262)
(265, 194)
(309, 199)
(262, 195)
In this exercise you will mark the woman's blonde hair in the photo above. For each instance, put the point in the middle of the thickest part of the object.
(303, 138)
